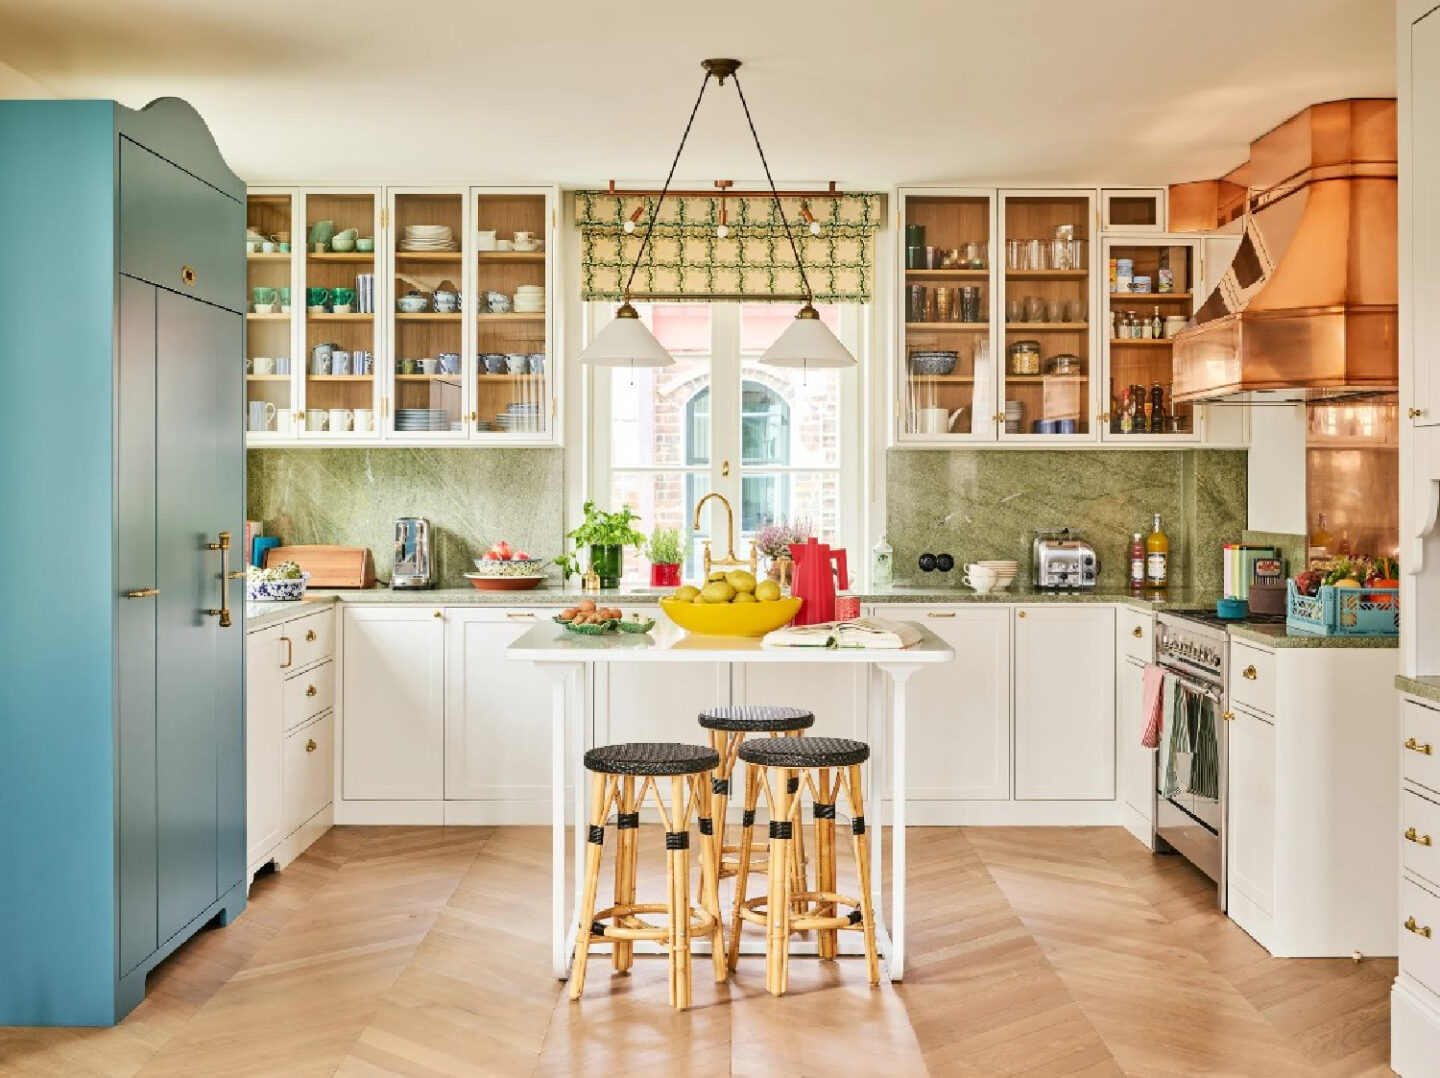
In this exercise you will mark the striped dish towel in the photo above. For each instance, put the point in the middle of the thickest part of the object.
(1205, 762)
(1151, 690)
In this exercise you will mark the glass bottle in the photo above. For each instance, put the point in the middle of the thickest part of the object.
(1157, 409)
(1320, 541)
(1126, 412)
(1157, 325)
(1114, 409)
(1137, 561)
(882, 564)
(1157, 557)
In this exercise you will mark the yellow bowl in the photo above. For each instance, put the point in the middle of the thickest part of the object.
(730, 619)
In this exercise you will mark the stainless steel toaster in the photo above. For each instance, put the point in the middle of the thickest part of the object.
(1063, 560)
(412, 554)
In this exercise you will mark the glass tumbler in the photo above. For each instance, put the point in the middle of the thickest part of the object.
(1016, 254)
(1015, 309)
(915, 303)
(1034, 309)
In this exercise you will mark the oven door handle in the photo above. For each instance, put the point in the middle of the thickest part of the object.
(1195, 687)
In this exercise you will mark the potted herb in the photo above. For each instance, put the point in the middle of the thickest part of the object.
(666, 555)
(607, 535)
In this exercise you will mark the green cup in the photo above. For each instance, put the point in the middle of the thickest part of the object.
(284, 295)
(263, 295)
(317, 297)
(342, 297)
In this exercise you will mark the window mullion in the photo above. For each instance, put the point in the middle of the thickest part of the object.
(725, 402)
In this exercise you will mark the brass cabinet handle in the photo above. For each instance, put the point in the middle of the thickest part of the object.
(187, 275)
(1249, 673)
(223, 545)
(940, 614)
(310, 745)
(300, 416)
(238, 574)
(310, 636)
(1419, 930)
(519, 614)
(289, 652)
(1419, 840)
(1416, 746)
(1019, 613)
(1229, 716)
(142, 593)
(1137, 632)
(439, 613)
(1415, 413)
(310, 690)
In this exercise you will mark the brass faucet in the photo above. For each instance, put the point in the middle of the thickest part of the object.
(730, 558)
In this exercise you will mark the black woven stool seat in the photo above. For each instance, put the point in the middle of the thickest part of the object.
(757, 718)
(652, 758)
(804, 752)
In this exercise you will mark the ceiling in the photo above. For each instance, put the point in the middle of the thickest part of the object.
(869, 94)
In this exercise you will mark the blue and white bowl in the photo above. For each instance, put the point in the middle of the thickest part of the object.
(276, 591)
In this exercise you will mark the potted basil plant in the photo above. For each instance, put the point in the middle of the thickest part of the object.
(666, 556)
(607, 535)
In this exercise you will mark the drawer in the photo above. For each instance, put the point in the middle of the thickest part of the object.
(311, 640)
(1252, 677)
(1420, 830)
(1137, 635)
(308, 694)
(309, 771)
(1420, 740)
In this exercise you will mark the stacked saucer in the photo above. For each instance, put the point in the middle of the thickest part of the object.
(1004, 572)
(427, 238)
(1014, 412)
(520, 417)
(530, 299)
(417, 419)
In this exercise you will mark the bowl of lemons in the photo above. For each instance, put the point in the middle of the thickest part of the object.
(730, 603)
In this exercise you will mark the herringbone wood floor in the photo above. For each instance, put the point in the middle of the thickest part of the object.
(424, 951)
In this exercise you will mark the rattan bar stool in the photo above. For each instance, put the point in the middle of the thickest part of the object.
(617, 769)
(728, 726)
(829, 766)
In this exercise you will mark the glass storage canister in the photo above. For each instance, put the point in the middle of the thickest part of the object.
(1024, 357)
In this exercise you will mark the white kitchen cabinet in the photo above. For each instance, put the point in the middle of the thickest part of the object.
(265, 652)
(836, 696)
(1250, 839)
(309, 771)
(1421, 203)
(640, 702)
(1135, 763)
(497, 713)
(393, 747)
(958, 714)
(1064, 692)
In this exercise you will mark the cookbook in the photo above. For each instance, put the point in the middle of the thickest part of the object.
(855, 633)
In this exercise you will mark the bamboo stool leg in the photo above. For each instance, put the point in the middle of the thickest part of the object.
(626, 863)
(798, 861)
(825, 857)
(862, 861)
(679, 864)
(747, 850)
(777, 907)
(710, 878)
(720, 741)
(601, 789)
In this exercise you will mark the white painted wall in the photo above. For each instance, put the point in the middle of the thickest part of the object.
(16, 84)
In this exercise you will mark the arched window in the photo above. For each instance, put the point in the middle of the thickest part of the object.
(764, 442)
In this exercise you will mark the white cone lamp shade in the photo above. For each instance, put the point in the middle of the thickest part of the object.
(626, 342)
(807, 342)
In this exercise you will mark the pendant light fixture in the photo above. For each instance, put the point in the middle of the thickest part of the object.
(807, 342)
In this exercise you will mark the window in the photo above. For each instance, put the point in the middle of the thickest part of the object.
(779, 444)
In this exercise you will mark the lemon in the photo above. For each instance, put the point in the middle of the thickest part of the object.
(715, 574)
(742, 580)
(717, 591)
(699, 600)
(767, 591)
(687, 593)
(1348, 583)
(745, 597)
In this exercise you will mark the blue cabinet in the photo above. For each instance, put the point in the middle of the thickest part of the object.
(121, 464)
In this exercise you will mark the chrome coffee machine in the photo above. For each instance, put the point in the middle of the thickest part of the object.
(1063, 560)
(412, 554)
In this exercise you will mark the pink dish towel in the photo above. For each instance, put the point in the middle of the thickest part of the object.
(1151, 690)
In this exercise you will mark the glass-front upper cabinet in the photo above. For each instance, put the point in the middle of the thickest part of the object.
(342, 346)
(947, 376)
(427, 237)
(1046, 362)
(1151, 290)
(1133, 209)
(514, 394)
(269, 321)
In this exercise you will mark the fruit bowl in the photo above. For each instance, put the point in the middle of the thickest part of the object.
(508, 567)
(486, 582)
(730, 619)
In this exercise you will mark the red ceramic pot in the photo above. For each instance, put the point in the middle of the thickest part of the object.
(664, 576)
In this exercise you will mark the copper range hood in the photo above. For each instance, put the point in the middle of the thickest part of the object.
(1308, 308)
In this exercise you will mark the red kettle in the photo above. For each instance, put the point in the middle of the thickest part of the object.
(818, 571)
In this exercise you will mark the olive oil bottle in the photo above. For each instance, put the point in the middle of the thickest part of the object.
(1157, 557)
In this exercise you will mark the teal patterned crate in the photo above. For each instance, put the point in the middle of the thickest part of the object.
(1344, 611)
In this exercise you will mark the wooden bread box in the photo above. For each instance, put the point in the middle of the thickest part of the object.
(328, 566)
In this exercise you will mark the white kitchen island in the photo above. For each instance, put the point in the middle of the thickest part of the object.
(563, 656)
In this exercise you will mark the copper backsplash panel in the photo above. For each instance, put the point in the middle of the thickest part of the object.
(1352, 473)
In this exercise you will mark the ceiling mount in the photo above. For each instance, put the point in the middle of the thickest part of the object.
(721, 69)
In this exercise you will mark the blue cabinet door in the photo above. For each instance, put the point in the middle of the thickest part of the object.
(135, 622)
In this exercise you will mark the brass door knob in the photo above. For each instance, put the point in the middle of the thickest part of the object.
(1418, 839)
(1249, 673)
(310, 636)
(310, 690)
(1137, 632)
(1419, 930)
(310, 745)
(1425, 748)
(1415, 413)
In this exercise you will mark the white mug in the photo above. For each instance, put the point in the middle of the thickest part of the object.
(262, 413)
(364, 419)
(315, 419)
(980, 578)
(523, 237)
(284, 420)
(485, 240)
(937, 420)
(264, 365)
(340, 419)
(429, 365)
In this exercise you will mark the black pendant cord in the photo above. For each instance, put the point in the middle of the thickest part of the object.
(649, 228)
(774, 193)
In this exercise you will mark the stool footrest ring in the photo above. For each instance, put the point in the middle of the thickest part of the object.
(700, 921)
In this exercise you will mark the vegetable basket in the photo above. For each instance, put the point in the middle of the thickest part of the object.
(1343, 611)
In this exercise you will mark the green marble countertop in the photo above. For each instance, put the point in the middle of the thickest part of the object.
(1427, 687)
(1277, 636)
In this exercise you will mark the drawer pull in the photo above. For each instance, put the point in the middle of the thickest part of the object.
(1249, 673)
(310, 690)
(142, 593)
(1419, 930)
(310, 745)
(289, 652)
(1419, 840)
(1415, 746)
(940, 614)
(520, 614)
(310, 636)
(1137, 632)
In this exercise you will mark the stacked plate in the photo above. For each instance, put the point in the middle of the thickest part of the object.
(521, 417)
(529, 299)
(427, 238)
(1004, 572)
(416, 419)
(1014, 412)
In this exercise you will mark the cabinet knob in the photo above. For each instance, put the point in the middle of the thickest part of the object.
(1419, 930)
(1229, 716)
(1425, 748)
(1249, 673)
(1137, 632)
(187, 275)
(1019, 613)
(1415, 413)
(310, 690)
(439, 613)
(310, 745)
(1419, 840)
(310, 636)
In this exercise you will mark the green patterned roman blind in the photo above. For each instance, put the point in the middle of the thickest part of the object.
(686, 258)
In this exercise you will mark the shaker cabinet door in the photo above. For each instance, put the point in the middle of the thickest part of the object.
(1424, 207)
(1250, 828)
(265, 650)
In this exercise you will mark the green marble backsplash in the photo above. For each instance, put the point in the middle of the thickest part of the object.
(471, 498)
(979, 504)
